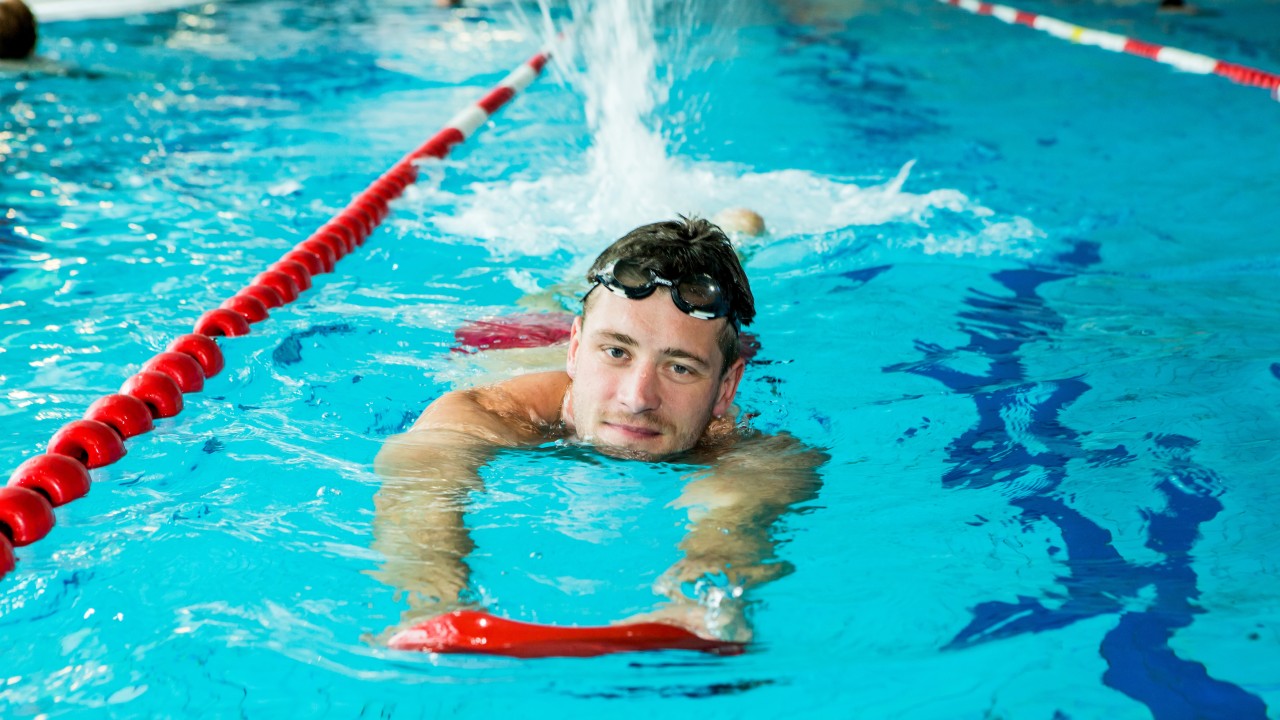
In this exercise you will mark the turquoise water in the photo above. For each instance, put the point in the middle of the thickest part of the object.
(1042, 359)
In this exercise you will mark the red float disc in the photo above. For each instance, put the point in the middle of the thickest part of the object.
(440, 144)
(25, 514)
(59, 478)
(350, 231)
(183, 368)
(247, 306)
(157, 390)
(363, 215)
(295, 270)
(398, 180)
(405, 171)
(268, 296)
(309, 260)
(363, 220)
(91, 442)
(222, 322)
(370, 203)
(496, 98)
(387, 189)
(280, 282)
(336, 239)
(322, 250)
(350, 227)
(125, 414)
(470, 631)
(204, 349)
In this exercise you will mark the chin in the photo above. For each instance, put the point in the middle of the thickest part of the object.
(624, 453)
(635, 450)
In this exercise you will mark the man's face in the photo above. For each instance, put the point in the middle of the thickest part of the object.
(646, 377)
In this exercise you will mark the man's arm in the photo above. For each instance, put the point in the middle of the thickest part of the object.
(732, 508)
(429, 472)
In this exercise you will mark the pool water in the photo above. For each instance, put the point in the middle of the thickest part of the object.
(1020, 291)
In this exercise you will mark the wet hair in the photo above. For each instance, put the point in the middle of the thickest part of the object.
(677, 248)
(17, 30)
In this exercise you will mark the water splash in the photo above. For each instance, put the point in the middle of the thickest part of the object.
(628, 158)
(624, 59)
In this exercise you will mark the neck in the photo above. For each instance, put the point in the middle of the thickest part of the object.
(566, 412)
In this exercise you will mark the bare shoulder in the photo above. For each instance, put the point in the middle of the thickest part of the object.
(779, 452)
(454, 434)
(756, 470)
(526, 402)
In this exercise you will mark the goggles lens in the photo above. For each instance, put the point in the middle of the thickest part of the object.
(696, 295)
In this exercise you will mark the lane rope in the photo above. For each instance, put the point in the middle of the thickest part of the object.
(61, 475)
(1180, 59)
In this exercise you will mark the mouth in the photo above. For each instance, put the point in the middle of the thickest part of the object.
(633, 432)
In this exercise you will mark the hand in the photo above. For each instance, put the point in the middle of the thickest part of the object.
(702, 569)
(725, 621)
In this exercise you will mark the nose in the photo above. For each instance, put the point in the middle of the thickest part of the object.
(638, 391)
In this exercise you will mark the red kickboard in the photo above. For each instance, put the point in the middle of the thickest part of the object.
(473, 631)
(531, 330)
(527, 330)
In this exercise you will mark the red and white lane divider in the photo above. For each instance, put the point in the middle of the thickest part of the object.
(61, 475)
(1181, 59)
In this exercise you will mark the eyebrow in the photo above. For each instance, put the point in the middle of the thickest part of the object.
(671, 352)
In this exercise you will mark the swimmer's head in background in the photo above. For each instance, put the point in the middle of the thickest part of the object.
(684, 253)
(740, 221)
(17, 30)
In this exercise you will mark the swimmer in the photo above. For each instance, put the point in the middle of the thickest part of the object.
(740, 221)
(651, 371)
(17, 30)
(744, 227)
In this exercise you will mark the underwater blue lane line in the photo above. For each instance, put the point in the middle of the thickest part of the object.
(1190, 491)
(1098, 580)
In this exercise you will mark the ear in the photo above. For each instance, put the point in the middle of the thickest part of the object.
(575, 339)
(728, 387)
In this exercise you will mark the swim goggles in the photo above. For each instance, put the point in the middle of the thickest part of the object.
(695, 295)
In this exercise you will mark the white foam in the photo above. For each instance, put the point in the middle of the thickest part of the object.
(574, 212)
(627, 177)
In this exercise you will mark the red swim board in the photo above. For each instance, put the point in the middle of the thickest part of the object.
(531, 330)
(526, 330)
(476, 632)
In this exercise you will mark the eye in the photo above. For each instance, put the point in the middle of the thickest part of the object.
(684, 373)
(616, 353)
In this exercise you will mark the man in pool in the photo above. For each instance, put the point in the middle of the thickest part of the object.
(652, 368)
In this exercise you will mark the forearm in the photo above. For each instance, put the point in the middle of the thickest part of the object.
(734, 508)
(735, 543)
(419, 522)
(425, 543)
(727, 550)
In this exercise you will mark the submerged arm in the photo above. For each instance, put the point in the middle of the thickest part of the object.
(730, 545)
(429, 472)
(733, 507)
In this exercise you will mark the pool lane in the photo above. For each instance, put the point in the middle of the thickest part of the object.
(1097, 580)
